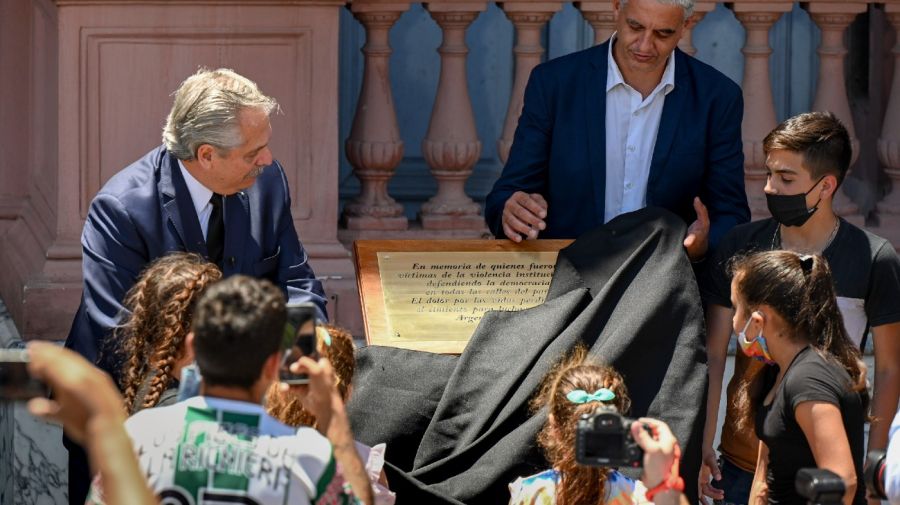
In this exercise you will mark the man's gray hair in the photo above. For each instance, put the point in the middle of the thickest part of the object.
(687, 5)
(207, 109)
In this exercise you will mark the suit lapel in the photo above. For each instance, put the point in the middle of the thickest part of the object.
(179, 206)
(594, 94)
(237, 224)
(668, 124)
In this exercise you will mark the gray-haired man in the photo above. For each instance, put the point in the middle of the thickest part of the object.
(624, 125)
(212, 188)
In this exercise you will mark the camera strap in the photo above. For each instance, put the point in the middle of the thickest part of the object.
(673, 482)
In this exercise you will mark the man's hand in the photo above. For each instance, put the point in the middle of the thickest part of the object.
(697, 240)
(82, 392)
(710, 469)
(523, 215)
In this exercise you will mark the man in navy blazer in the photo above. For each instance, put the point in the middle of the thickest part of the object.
(213, 188)
(667, 132)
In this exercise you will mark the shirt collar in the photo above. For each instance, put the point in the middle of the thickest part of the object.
(200, 194)
(614, 75)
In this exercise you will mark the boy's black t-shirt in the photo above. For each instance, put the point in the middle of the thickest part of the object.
(809, 378)
(865, 267)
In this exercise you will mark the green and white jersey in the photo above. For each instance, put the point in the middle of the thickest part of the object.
(214, 451)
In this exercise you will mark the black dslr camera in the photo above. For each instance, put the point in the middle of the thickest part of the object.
(604, 439)
(820, 487)
(873, 474)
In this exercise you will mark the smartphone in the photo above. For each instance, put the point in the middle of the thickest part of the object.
(299, 340)
(16, 384)
(189, 382)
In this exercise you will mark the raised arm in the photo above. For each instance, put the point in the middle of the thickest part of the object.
(526, 169)
(295, 275)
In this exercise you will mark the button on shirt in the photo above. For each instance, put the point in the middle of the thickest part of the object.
(200, 196)
(632, 123)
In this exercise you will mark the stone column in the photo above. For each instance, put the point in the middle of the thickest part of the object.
(528, 18)
(601, 17)
(451, 146)
(889, 142)
(700, 10)
(374, 147)
(759, 109)
(833, 18)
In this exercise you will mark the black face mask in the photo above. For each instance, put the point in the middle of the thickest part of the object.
(790, 210)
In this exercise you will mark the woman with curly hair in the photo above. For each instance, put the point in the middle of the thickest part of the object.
(160, 306)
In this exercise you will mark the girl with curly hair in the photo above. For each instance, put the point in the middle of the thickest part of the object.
(577, 386)
(284, 404)
(160, 306)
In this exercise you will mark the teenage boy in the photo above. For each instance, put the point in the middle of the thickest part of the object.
(222, 446)
(807, 157)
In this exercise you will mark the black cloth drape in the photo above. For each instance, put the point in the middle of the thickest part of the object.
(458, 429)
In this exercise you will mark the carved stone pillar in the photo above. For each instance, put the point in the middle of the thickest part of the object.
(528, 18)
(601, 17)
(889, 143)
(374, 147)
(451, 146)
(700, 10)
(833, 18)
(759, 109)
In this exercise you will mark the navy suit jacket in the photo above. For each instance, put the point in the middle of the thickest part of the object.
(146, 211)
(559, 149)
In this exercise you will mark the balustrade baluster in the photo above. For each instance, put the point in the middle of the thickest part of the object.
(889, 142)
(374, 147)
(700, 10)
(601, 17)
(759, 109)
(451, 147)
(528, 19)
(833, 18)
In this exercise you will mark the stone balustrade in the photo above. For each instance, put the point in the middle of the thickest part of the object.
(76, 65)
(451, 144)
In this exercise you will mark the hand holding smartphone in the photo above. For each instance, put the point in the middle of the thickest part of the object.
(299, 340)
(16, 383)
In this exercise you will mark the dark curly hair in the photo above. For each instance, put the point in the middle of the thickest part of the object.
(160, 306)
(579, 484)
(237, 326)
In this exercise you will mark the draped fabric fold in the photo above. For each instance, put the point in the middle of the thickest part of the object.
(458, 429)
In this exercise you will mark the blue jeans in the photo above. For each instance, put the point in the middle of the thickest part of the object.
(735, 482)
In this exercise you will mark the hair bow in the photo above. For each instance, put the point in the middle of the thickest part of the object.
(806, 263)
(323, 335)
(582, 396)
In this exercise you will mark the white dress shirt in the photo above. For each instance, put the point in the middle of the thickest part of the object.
(632, 123)
(200, 196)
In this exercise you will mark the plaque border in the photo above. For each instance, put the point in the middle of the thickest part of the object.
(371, 296)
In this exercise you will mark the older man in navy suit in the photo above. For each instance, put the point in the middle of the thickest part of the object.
(213, 188)
(630, 123)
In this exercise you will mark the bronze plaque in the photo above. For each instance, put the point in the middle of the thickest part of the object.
(430, 295)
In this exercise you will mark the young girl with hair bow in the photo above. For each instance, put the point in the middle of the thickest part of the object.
(578, 386)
